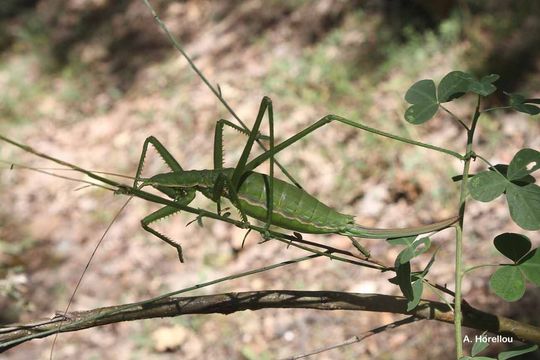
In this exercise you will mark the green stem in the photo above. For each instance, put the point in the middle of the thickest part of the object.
(472, 268)
(489, 164)
(438, 293)
(458, 315)
(455, 117)
(496, 108)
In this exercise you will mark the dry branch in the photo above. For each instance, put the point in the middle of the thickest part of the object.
(254, 300)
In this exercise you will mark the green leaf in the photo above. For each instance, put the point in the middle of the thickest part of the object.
(487, 185)
(417, 289)
(524, 205)
(530, 266)
(430, 263)
(405, 255)
(403, 279)
(521, 104)
(421, 92)
(457, 83)
(518, 350)
(406, 240)
(525, 162)
(503, 169)
(484, 87)
(491, 78)
(418, 247)
(508, 283)
(479, 346)
(454, 85)
(423, 98)
(513, 246)
(420, 113)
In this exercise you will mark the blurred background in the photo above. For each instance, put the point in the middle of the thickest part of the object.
(88, 80)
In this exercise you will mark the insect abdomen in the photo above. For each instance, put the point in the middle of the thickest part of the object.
(293, 208)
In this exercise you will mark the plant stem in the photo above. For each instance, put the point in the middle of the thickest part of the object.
(480, 267)
(455, 117)
(458, 316)
(496, 108)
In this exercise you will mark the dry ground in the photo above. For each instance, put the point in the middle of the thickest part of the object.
(49, 229)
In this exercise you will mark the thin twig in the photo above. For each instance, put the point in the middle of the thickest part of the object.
(496, 108)
(358, 338)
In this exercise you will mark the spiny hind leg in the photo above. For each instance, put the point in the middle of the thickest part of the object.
(293, 139)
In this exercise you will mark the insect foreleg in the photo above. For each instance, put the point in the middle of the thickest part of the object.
(165, 155)
(185, 199)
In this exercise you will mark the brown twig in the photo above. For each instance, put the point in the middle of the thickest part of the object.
(229, 303)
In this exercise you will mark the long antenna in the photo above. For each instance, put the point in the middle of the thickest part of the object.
(84, 272)
(218, 94)
(215, 91)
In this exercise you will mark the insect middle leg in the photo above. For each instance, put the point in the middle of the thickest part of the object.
(239, 173)
(162, 213)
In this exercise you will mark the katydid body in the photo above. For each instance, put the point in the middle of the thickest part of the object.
(293, 208)
(257, 195)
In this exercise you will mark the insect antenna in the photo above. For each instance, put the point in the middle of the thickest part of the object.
(47, 171)
(87, 266)
(215, 90)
